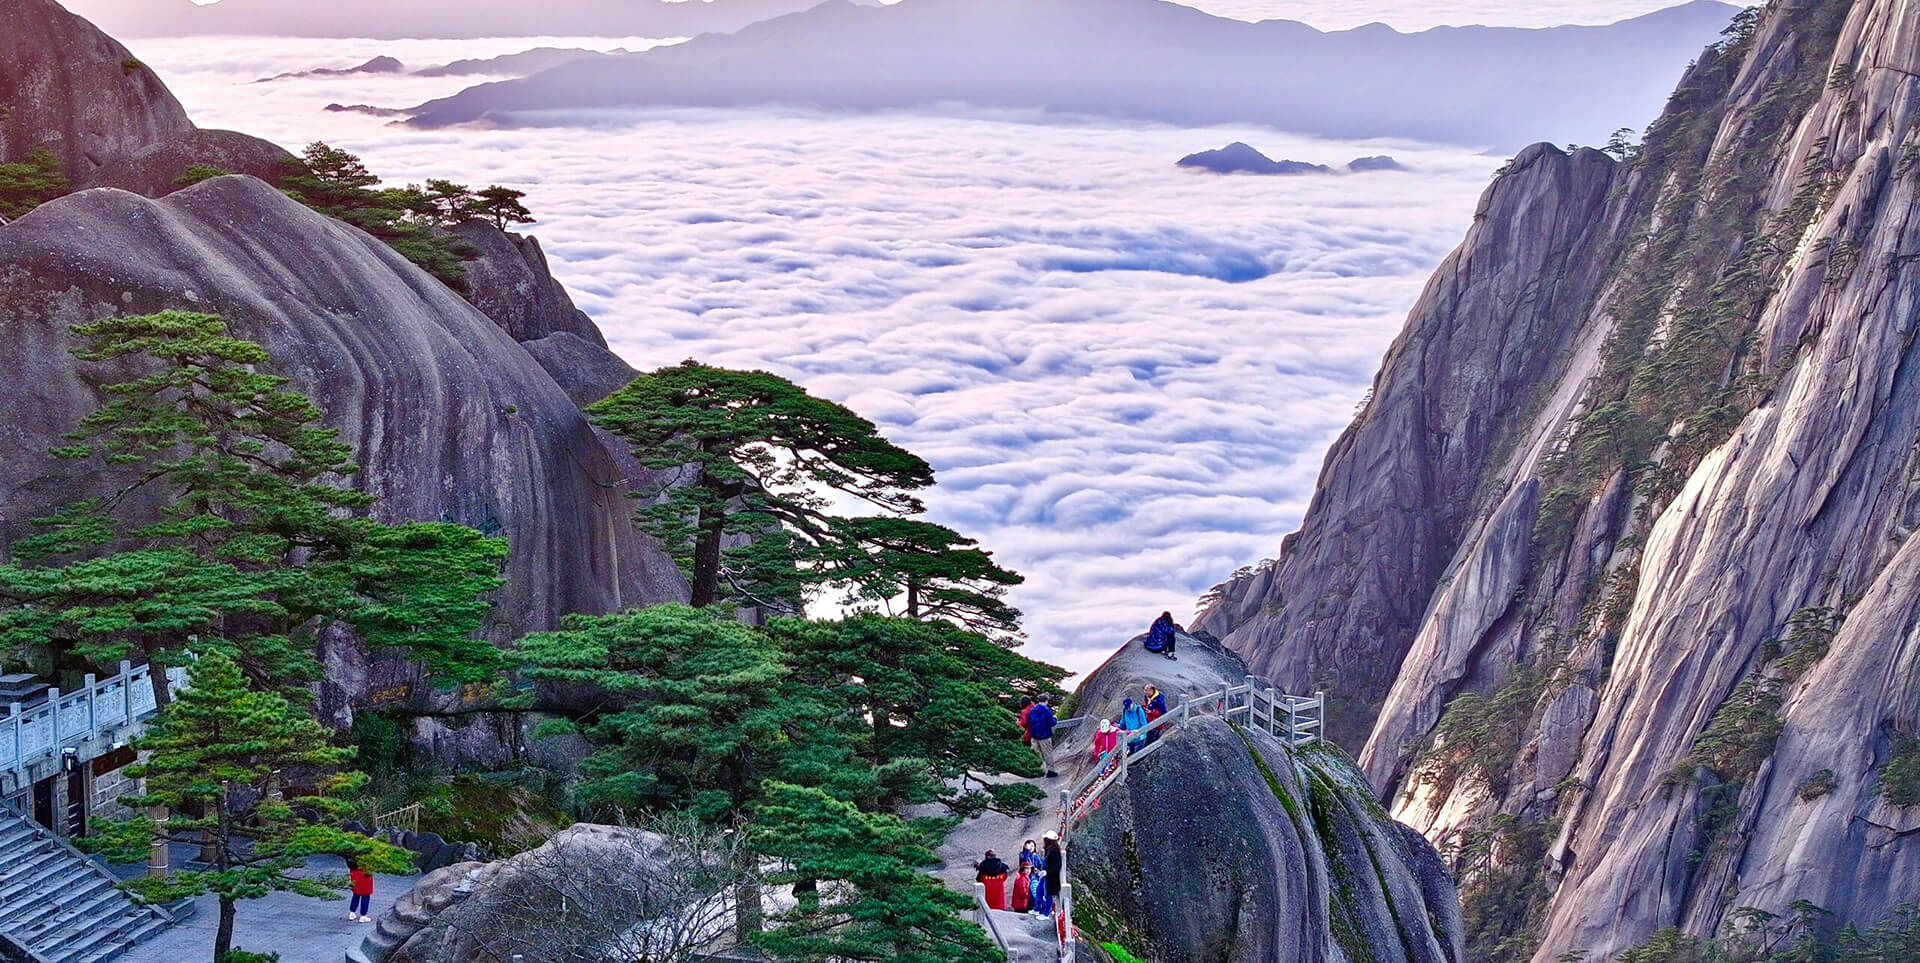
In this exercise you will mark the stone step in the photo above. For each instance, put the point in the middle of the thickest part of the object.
(62, 906)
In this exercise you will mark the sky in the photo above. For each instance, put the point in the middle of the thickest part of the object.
(1125, 374)
(1336, 14)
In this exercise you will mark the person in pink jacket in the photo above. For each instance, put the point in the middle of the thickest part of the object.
(1105, 740)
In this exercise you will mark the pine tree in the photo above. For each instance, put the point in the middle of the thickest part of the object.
(758, 456)
(30, 182)
(226, 523)
(694, 718)
(231, 753)
(874, 901)
(931, 692)
(339, 185)
(502, 205)
(934, 571)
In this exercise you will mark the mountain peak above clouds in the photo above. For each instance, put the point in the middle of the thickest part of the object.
(1147, 60)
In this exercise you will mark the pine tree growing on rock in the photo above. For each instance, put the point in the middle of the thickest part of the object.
(225, 526)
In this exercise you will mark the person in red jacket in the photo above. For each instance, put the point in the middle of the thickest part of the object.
(992, 872)
(362, 900)
(1020, 890)
(1105, 740)
(1026, 734)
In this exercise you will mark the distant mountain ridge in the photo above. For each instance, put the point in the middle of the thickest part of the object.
(1147, 60)
(1242, 158)
(449, 19)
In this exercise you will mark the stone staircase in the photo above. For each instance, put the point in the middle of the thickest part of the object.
(1029, 939)
(58, 906)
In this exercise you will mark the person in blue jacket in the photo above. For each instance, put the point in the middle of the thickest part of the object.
(1133, 718)
(1161, 637)
(1040, 723)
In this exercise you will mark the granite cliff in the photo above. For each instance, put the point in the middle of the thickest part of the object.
(460, 405)
(1615, 563)
(1227, 846)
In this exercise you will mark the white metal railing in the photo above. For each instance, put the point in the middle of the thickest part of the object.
(1295, 720)
(986, 915)
(36, 730)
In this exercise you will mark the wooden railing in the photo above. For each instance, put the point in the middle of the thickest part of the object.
(406, 817)
(36, 730)
(1295, 720)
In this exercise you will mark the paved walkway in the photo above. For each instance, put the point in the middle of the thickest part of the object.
(299, 928)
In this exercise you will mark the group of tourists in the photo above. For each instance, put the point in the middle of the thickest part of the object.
(1033, 886)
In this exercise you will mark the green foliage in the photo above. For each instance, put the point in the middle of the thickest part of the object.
(1119, 953)
(1817, 785)
(248, 956)
(1502, 892)
(818, 735)
(933, 693)
(1479, 736)
(1806, 934)
(225, 526)
(875, 903)
(30, 182)
(1900, 777)
(219, 759)
(940, 573)
(1803, 642)
(694, 717)
(131, 65)
(195, 173)
(412, 220)
(758, 456)
(1741, 734)
(502, 206)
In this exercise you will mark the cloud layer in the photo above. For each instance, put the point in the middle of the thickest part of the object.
(1126, 374)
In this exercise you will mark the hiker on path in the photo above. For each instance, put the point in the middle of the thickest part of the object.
(1161, 637)
(1056, 868)
(993, 872)
(1020, 891)
(1105, 741)
(1156, 707)
(1040, 723)
(1026, 707)
(1133, 718)
(1030, 853)
(362, 885)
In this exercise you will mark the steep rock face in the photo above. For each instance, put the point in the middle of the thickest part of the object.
(449, 417)
(1340, 606)
(155, 170)
(1225, 846)
(1690, 627)
(73, 89)
(510, 283)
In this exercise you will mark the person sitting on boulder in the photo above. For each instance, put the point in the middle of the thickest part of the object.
(1020, 891)
(993, 872)
(1133, 718)
(1105, 741)
(1040, 723)
(1161, 637)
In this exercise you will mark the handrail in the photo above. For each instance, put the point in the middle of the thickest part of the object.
(42, 729)
(1295, 720)
(986, 915)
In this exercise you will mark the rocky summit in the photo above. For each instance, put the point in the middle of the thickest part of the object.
(1614, 567)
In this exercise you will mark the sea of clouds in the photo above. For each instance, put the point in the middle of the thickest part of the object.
(1125, 374)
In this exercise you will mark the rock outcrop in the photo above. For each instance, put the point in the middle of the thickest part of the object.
(1639, 477)
(1225, 845)
(76, 91)
(449, 416)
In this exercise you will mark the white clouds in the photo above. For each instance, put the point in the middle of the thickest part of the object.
(1126, 374)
